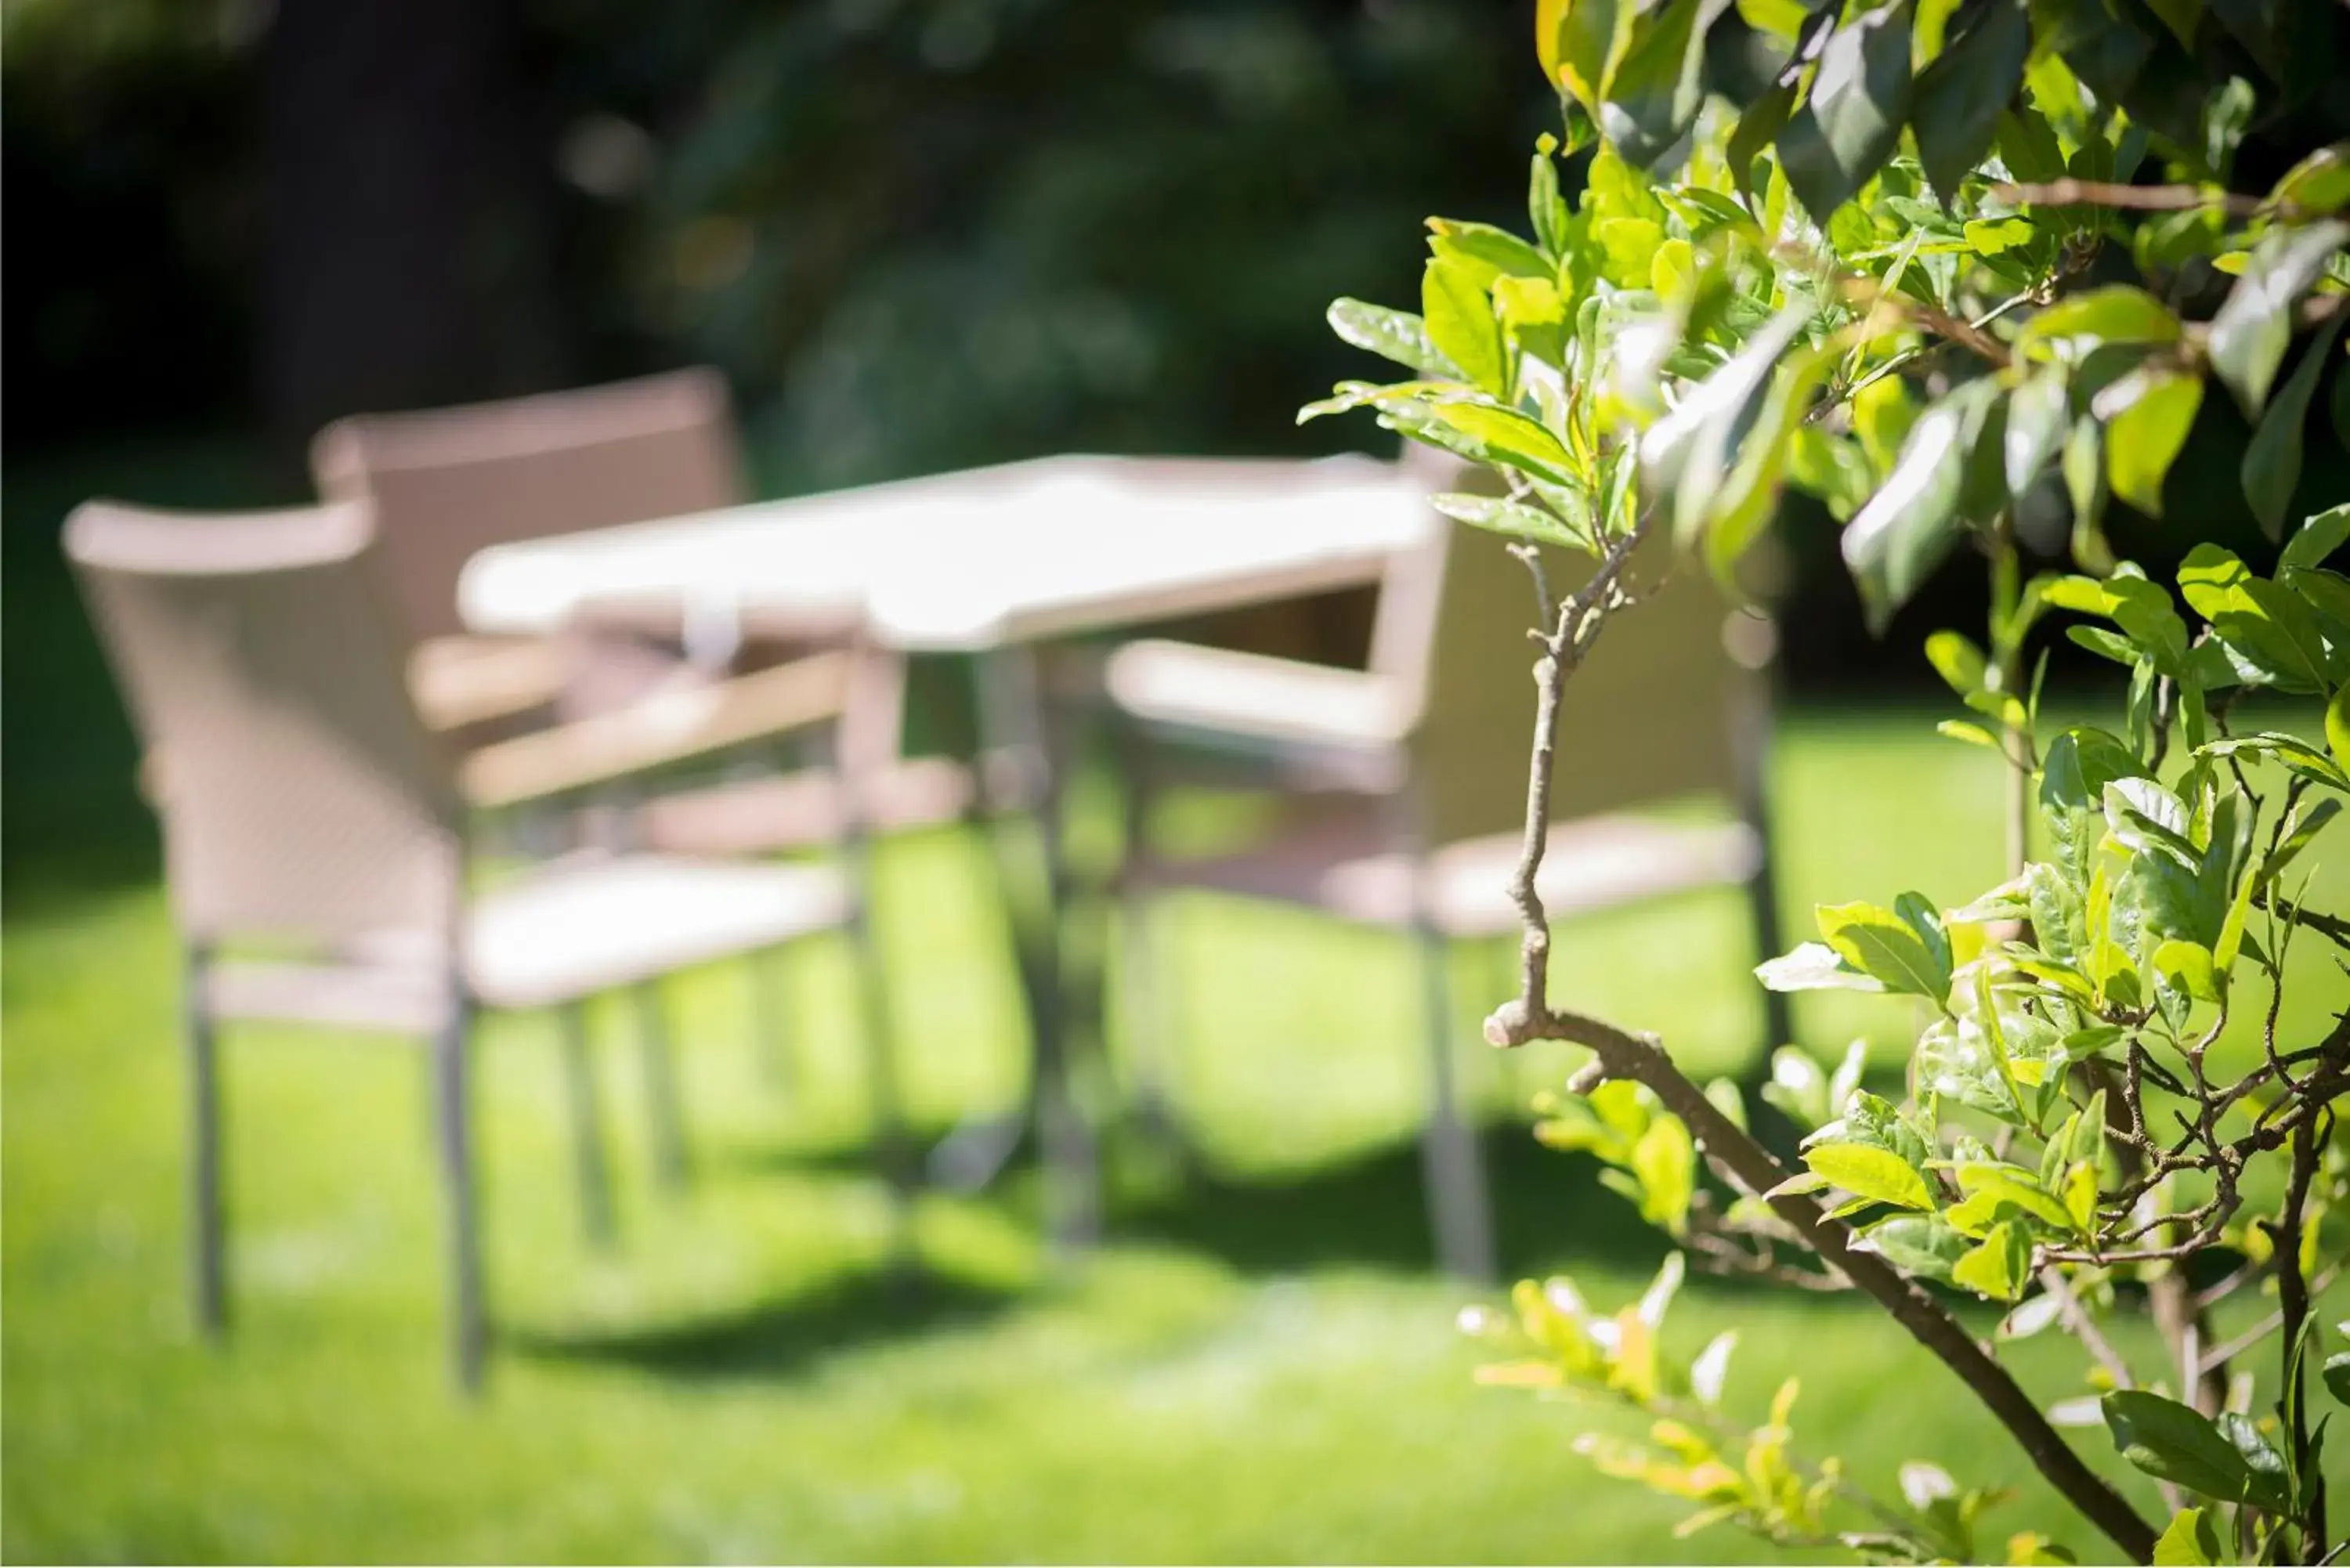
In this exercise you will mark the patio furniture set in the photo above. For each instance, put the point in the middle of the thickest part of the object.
(555, 622)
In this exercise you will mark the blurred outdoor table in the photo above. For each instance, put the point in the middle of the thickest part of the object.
(991, 562)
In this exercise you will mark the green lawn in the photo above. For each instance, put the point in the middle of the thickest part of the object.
(1258, 1365)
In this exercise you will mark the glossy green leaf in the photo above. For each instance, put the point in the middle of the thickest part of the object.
(1955, 112)
(2272, 466)
(1487, 433)
(1896, 540)
(2248, 337)
(2172, 1442)
(2319, 185)
(2085, 487)
(1923, 1245)
(1852, 120)
(1877, 1174)
(1397, 335)
(2154, 410)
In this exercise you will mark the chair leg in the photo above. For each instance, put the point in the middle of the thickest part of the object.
(592, 1169)
(893, 1149)
(468, 1321)
(1454, 1169)
(207, 1214)
(666, 1120)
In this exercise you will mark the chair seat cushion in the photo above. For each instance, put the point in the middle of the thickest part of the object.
(1334, 856)
(553, 934)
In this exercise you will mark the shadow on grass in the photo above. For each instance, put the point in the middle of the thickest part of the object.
(781, 1338)
(1364, 1208)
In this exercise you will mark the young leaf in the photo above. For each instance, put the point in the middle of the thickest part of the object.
(2147, 414)
(1873, 1173)
(1514, 519)
(2249, 335)
(2189, 1540)
(2172, 1442)
(1850, 123)
(1460, 322)
(1999, 1266)
(1654, 92)
(2272, 466)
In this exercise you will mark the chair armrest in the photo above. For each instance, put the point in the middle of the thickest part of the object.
(459, 682)
(672, 729)
(1282, 704)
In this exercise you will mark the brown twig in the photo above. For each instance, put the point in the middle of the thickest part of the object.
(2071, 192)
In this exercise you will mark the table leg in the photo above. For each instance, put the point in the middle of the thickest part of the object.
(1024, 826)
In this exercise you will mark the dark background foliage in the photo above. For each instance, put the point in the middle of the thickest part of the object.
(918, 233)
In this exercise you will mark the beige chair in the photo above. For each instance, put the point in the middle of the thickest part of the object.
(447, 483)
(1404, 784)
(315, 837)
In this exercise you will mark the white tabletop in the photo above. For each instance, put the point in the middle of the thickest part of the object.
(968, 561)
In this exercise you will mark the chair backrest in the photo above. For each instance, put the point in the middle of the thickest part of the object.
(1648, 716)
(300, 795)
(446, 483)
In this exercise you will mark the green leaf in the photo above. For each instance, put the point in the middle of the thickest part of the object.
(1545, 208)
(1462, 324)
(1999, 1266)
(2272, 466)
(1397, 335)
(1485, 253)
(1993, 1188)
(2035, 428)
(2188, 967)
(2269, 1487)
(1699, 440)
(2337, 1375)
(1896, 540)
(2172, 1442)
(1512, 519)
(1851, 121)
(2319, 535)
(2337, 728)
(1763, 119)
(1957, 660)
(2269, 626)
(1960, 96)
(1879, 942)
(2084, 487)
(1865, 1171)
(1814, 966)
(2078, 323)
(1653, 93)
(2319, 185)
(2189, 1541)
(1487, 433)
(1919, 1244)
(2152, 412)
(2249, 335)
